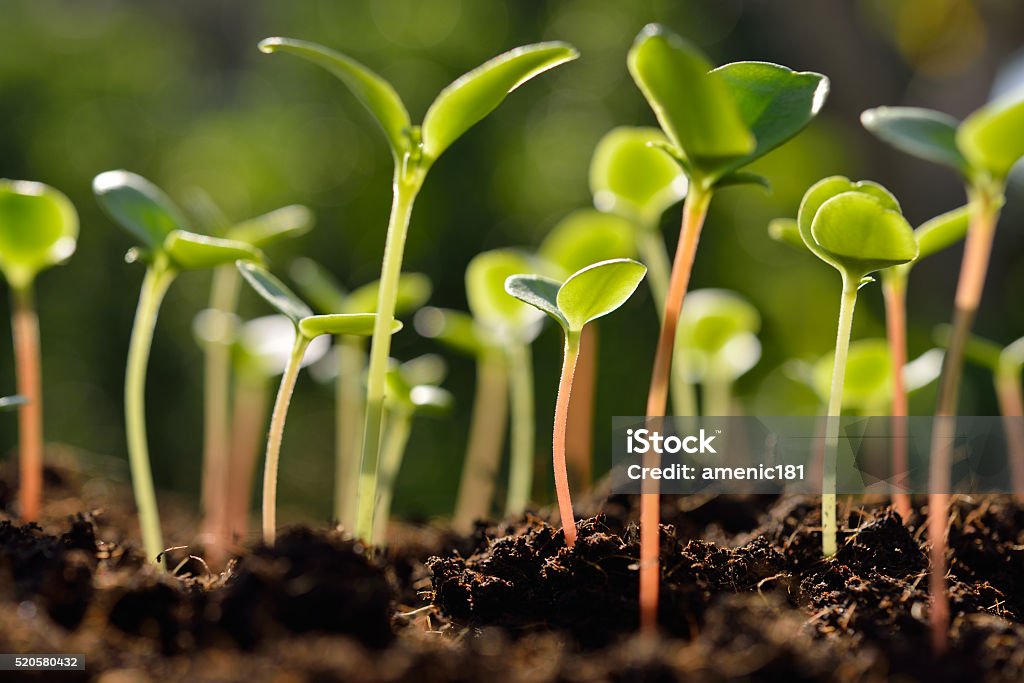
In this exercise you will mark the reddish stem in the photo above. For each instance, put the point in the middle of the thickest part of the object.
(580, 442)
(558, 437)
(247, 423)
(1011, 406)
(25, 329)
(895, 293)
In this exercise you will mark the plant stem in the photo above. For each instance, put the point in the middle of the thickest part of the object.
(523, 442)
(569, 358)
(400, 425)
(1011, 407)
(984, 202)
(216, 403)
(695, 209)
(25, 329)
(154, 286)
(717, 395)
(277, 419)
(405, 191)
(486, 438)
(348, 427)
(894, 290)
(247, 420)
(835, 409)
(580, 438)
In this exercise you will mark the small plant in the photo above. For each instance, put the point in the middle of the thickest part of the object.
(587, 294)
(38, 229)
(716, 122)
(327, 297)
(168, 248)
(857, 228)
(982, 149)
(307, 327)
(414, 149)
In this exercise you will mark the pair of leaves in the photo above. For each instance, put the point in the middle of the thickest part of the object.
(306, 323)
(412, 386)
(456, 109)
(501, 317)
(587, 236)
(718, 333)
(720, 120)
(989, 142)
(327, 296)
(855, 227)
(867, 384)
(38, 229)
(141, 208)
(588, 294)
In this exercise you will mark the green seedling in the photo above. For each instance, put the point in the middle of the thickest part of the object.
(327, 296)
(587, 295)
(982, 149)
(857, 228)
(218, 319)
(717, 122)
(414, 149)
(411, 392)
(307, 327)
(581, 238)
(38, 229)
(168, 248)
(718, 340)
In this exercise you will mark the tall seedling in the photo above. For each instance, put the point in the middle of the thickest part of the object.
(414, 149)
(38, 229)
(982, 149)
(168, 248)
(716, 122)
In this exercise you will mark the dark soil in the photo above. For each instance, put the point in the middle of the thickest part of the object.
(745, 595)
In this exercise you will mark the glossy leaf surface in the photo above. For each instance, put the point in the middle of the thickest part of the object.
(38, 229)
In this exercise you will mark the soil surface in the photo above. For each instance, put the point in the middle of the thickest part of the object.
(745, 596)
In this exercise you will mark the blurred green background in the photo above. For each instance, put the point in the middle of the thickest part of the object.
(178, 92)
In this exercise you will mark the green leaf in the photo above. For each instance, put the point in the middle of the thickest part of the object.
(711, 318)
(38, 229)
(354, 324)
(476, 94)
(275, 292)
(695, 109)
(744, 178)
(376, 94)
(992, 138)
(867, 384)
(486, 292)
(774, 102)
(631, 177)
(860, 235)
(978, 350)
(538, 291)
(8, 403)
(264, 345)
(1011, 359)
(597, 290)
(923, 133)
(288, 221)
(787, 231)
(139, 206)
(317, 285)
(587, 236)
(455, 329)
(191, 251)
(430, 368)
(942, 231)
(413, 291)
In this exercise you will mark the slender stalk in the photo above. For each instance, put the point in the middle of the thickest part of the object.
(277, 418)
(523, 442)
(695, 209)
(248, 416)
(25, 329)
(486, 438)
(400, 425)
(984, 216)
(835, 409)
(154, 286)
(894, 289)
(717, 395)
(348, 427)
(569, 358)
(405, 191)
(580, 439)
(1011, 407)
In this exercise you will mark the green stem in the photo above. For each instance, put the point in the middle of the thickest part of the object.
(154, 286)
(399, 427)
(523, 441)
(835, 409)
(571, 354)
(405, 191)
(348, 427)
(274, 437)
(717, 395)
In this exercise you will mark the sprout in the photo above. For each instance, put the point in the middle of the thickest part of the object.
(307, 327)
(857, 228)
(327, 296)
(167, 248)
(716, 123)
(38, 229)
(458, 107)
(982, 149)
(588, 294)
